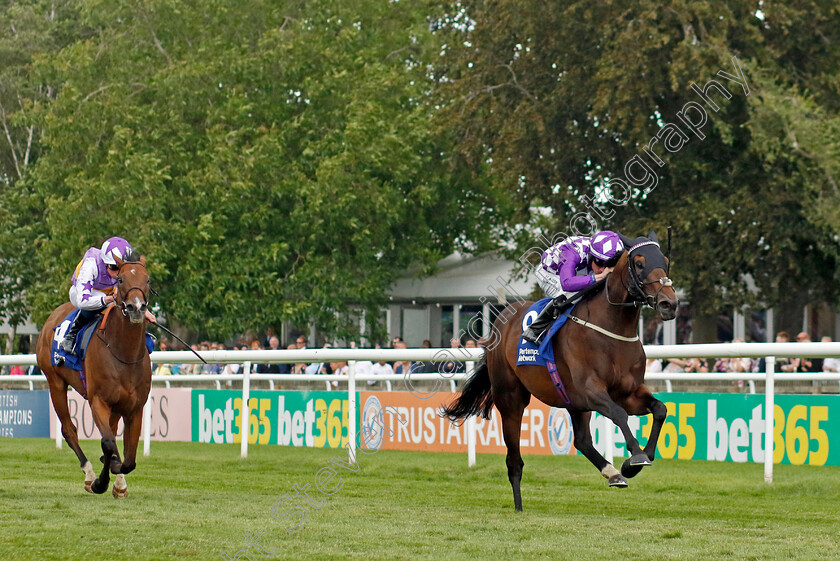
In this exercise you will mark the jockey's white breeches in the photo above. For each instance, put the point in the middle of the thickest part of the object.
(550, 284)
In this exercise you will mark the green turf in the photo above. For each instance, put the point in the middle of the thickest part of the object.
(196, 501)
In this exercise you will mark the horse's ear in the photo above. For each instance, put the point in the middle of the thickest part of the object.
(143, 260)
(119, 261)
(652, 236)
(628, 242)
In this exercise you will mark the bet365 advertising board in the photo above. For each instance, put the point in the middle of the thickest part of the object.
(316, 419)
(700, 426)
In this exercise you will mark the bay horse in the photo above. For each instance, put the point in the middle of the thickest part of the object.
(599, 358)
(118, 374)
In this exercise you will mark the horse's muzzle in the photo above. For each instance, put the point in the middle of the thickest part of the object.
(136, 311)
(667, 309)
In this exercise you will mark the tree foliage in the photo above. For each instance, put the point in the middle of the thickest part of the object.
(29, 30)
(286, 162)
(558, 99)
(273, 162)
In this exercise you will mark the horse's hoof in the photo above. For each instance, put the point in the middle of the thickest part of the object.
(119, 493)
(88, 485)
(630, 471)
(638, 460)
(634, 464)
(618, 481)
(98, 487)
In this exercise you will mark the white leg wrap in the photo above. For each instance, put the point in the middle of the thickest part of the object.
(88, 471)
(119, 482)
(609, 470)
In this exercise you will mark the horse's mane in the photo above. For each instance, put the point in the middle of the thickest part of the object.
(593, 289)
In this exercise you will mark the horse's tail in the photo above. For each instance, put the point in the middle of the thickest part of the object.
(475, 399)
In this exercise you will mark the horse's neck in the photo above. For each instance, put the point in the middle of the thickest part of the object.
(124, 337)
(620, 319)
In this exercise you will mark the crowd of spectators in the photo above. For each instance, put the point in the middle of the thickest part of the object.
(735, 365)
(272, 342)
(751, 365)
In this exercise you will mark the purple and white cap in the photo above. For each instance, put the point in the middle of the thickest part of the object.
(605, 245)
(114, 247)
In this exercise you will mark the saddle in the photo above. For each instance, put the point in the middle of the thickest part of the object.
(75, 360)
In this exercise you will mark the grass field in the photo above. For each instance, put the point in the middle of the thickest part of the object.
(197, 501)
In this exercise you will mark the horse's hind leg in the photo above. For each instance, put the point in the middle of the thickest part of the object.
(583, 442)
(511, 404)
(58, 394)
(102, 418)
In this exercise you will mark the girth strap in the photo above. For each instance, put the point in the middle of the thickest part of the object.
(558, 383)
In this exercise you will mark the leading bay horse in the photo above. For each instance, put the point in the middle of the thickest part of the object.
(118, 376)
(599, 358)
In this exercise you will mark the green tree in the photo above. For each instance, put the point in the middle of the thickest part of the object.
(273, 162)
(558, 99)
(30, 30)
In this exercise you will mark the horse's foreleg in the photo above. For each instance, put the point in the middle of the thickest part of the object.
(102, 418)
(133, 428)
(603, 404)
(660, 412)
(116, 463)
(641, 403)
(583, 442)
(131, 436)
(58, 394)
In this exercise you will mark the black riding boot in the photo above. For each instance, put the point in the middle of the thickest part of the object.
(82, 319)
(543, 321)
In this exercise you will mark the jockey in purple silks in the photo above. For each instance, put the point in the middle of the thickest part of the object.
(569, 267)
(93, 285)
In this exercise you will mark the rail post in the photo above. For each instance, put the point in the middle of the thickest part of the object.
(147, 421)
(245, 428)
(351, 411)
(609, 441)
(470, 424)
(769, 410)
(58, 435)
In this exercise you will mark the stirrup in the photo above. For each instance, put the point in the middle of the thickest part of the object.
(67, 343)
(532, 337)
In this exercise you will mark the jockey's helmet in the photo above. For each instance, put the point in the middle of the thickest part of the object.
(114, 247)
(606, 248)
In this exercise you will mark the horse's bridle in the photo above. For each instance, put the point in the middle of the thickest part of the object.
(120, 298)
(636, 287)
(120, 302)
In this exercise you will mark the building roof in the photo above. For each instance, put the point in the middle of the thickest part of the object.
(462, 278)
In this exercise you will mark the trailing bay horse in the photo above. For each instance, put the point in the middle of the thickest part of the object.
(118, 376)
(600, 361)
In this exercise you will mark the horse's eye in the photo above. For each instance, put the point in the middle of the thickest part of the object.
(640, 265)
(119, 280)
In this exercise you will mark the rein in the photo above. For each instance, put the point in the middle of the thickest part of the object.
(99, 333)
(113, 354)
